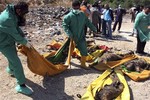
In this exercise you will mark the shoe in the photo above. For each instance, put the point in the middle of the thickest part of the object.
(131, 35)
(23, 89)
(111, 38)
(144, 53)
(141, 53)
(9, 71)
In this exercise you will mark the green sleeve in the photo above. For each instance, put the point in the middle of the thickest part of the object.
(65, 24)
(11, 29)
(20, 31)
(90, 25)
(137, 21)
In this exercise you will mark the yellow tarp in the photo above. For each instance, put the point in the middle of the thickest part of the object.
(91, 57)
(133, 75)
(139, 76)
(102, 80)
(39, 65)
(113, 64)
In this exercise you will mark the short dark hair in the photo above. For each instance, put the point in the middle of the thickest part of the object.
(76, 3)
(23, 6)
(84, 3)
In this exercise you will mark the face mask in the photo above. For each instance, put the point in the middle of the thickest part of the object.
(76, 11)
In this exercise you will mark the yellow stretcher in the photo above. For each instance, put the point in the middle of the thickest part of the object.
(102, 80)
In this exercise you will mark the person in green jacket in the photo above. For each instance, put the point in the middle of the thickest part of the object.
(73, 24)
(142, 24)
(10, 33)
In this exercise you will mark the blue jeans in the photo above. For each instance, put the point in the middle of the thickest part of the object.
(108, 25)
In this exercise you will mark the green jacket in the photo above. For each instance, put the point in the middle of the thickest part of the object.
(74, 23)
(9, 29)
(142, 22)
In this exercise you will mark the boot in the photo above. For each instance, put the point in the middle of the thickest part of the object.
(83, 62)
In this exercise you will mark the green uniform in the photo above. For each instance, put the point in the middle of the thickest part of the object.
(9, 34)
(142, 22)
(74, 24)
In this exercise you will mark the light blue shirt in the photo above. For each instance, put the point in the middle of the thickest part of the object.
(107, 15)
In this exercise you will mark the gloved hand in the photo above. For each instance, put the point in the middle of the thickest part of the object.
(28, 45)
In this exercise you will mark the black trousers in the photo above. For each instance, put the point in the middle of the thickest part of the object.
(103, 27)
(100, 22)
(119, 22)
(85, 30)
(140, 45)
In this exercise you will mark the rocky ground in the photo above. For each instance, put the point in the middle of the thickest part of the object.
(74, 80)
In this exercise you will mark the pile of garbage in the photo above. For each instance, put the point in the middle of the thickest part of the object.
(45, 16)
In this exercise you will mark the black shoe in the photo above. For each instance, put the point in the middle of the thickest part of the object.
(142, 53)
(131, 35)
(111, 38)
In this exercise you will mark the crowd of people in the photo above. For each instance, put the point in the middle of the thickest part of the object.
(102, 16)
(97, 17)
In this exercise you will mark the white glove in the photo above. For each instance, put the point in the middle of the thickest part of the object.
(28, 45)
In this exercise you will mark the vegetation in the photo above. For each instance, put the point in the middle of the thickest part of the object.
(112, 3)
(124, 3)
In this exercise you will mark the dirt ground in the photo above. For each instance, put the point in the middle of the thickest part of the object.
(74, 80)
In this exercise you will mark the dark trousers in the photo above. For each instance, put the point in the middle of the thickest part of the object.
(96, 25)
(103, 27)
(85, 30)
(100, 22)
(140, 45)
(115, 24)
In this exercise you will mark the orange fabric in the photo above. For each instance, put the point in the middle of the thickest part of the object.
(84, 9)
(138, 76)
(55, 45)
